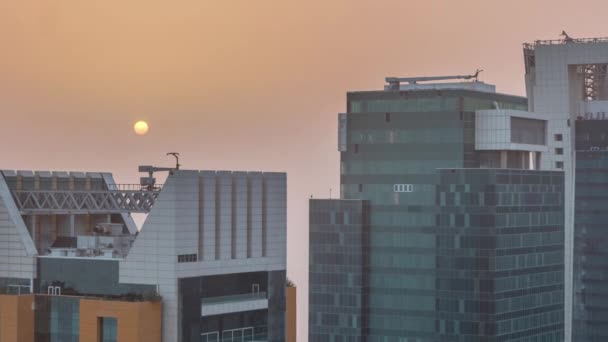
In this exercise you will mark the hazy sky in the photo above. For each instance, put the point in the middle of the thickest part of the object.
(244, 85)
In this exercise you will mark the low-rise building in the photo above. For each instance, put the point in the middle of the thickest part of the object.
(207, 265)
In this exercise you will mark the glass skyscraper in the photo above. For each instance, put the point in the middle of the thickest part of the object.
(339, 259)
(465, 236)
(590, 233)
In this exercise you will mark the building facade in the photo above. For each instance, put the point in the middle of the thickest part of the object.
(441, 265)
(339, 260)
(567, 81)
(590, 310)
(207, 265)
(499, 256)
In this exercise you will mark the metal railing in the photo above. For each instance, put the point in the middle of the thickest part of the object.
(66, 185)
(134, 187)
(234, 298)
(246, 334)
(84, 201)
(16, 290)
(565, 41)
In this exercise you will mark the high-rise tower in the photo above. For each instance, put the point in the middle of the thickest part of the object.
(446, 229)
(566, 80)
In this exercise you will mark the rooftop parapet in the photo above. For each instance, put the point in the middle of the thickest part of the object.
(566, 40)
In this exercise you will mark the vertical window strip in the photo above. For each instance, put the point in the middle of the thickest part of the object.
(201, 217)
(249, 197)
(264, 215)
(233, 218)
(218, 213)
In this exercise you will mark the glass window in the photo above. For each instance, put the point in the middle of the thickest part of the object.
(108, 329)
(186, 258)
(528, 131)
(430, 104)
(472, 104)
(210, 337)
(356, 107)
(57, 318)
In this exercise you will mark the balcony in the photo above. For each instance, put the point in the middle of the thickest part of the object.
(234, 303)
(246, 334)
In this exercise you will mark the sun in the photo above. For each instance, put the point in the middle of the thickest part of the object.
(141, 127)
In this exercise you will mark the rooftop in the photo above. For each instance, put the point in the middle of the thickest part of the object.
(474, 86)
(469, 82)
(77, 214)
(43, 192)
(566, 40)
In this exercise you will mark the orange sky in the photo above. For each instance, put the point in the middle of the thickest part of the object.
(247, 85)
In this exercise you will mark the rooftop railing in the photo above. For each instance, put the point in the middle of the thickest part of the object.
(135, 187)
(565, 41)
(234, 298)
(86, 201)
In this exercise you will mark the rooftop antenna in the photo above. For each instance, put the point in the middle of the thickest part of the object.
(329, 193)
(176, 155)
(567, 38)
(149, 182)
(394, 82)
(476, 75)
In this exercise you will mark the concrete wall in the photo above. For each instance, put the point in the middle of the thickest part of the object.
(17, 250)
(233, 222)
(137, 321)
(16, 318)
(493, 130)
(292, 314)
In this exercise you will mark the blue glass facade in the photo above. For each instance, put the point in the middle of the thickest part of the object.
(466, 255)
(339, 284)
(499, 261)
(57, 319)
(86, 277)
(266, 325)
(108, 329)
(591, 232)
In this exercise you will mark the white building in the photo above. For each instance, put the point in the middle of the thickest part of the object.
(212, 250)
(567, 80)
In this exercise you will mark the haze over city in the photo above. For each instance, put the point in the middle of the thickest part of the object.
(240, 85)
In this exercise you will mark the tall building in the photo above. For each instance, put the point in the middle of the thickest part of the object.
(207, 265)
(339, 263)
(566, 81)
(590, 309)
(457, 236)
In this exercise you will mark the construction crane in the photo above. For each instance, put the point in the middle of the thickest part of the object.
(394, 82)
(567, 38)
(149, 183)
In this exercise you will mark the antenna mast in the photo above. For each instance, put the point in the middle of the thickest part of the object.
(176, 155)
